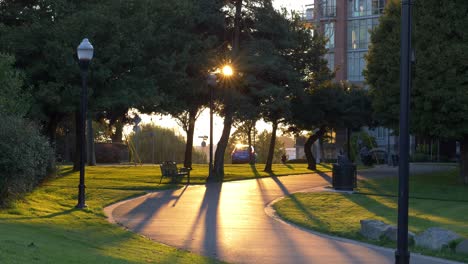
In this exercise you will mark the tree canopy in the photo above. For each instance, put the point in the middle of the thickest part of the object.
(440, 82)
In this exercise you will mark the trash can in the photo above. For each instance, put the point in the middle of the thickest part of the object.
(344, 176)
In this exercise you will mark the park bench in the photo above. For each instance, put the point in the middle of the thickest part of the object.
(169, 169)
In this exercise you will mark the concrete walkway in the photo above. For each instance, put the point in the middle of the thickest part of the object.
(228, 222)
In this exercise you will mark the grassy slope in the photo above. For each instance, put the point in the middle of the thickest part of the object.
(45, 227)
(436, 200)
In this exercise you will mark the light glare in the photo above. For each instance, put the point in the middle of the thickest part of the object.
(227, 70)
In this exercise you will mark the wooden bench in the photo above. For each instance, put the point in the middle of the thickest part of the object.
(169, 169)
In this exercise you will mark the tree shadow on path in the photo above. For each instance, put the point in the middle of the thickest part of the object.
(209, 211)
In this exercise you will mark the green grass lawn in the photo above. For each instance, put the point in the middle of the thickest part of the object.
(45, 227)
(436, 200)
(145, 177)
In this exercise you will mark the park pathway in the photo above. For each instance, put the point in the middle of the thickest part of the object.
(228, 222)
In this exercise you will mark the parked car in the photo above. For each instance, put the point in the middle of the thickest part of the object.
(243, 154)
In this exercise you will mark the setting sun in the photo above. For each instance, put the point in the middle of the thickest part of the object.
(227, 70)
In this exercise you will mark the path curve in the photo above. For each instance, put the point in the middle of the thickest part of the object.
(227, 221)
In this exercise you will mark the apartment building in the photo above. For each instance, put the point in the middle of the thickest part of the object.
(346, 25)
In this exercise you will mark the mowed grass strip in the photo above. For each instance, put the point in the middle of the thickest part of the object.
(45, 227)
(436, 200)
(147, 177)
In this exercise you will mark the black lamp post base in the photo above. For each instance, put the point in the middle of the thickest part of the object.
(81, 206)
(402, 258)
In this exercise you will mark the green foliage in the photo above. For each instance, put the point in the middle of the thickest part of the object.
(262, 144)
(331, 105)
(167, 145)
(24, 156)
(14, 100)
(438, 96)
(383, 66)
(365, 139)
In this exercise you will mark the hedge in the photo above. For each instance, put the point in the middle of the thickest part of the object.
(24, 156)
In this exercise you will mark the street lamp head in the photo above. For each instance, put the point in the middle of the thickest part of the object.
(85, 50)
(227, 70)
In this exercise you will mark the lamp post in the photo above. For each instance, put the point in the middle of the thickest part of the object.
(402, 255)
(226, 71)
(85, 54)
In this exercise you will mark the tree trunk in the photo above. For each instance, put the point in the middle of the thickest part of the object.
(218, 166)
(117, 136)
(311, 163)
(464, 160)
(52, 136)
(189, 145)
(52, 129)
(249, 141)
(271, 150)
(91, 155)
(76, 157)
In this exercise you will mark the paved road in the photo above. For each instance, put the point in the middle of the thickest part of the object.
(228, 221)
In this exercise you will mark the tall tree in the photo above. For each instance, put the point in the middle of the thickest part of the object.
(43, 36)
(14, 98)
(307, 108)
(438, 97)
(269, 70)
(194, 41)
(229, 104)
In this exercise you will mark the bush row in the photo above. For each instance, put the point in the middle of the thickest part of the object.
(24, 157)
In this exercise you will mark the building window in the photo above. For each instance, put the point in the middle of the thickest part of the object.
(358, 32)
(358, 8)
(356, 65)
(330, 57)
(328, 8)
(330, 35)
(380, 133)
(309, 12)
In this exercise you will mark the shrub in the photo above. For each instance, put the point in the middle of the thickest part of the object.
(111, 152)
(420, 157)
(360, 139)
(168, 146)
(24, 156)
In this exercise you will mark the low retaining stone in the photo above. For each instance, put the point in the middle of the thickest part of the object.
(392, 234)
(373, 229)
(462, 247)
(435, 238)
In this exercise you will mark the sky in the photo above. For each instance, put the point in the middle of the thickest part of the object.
(202, 126)
(292, 4)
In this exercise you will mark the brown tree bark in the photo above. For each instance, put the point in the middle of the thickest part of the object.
(464, 160)
(218, 165)
(51, 132)
(91, 154)
(51, 129)
(189, 145)
(311, 164)
(271, 150)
